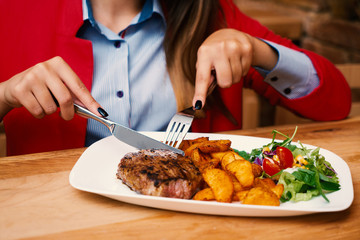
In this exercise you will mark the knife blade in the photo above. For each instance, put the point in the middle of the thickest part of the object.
(125, 134)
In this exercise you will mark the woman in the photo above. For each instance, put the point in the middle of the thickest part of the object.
(142, 61)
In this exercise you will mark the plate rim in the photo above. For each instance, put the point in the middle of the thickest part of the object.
(279, 211)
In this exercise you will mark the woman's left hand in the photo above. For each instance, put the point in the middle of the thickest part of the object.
(230, 53)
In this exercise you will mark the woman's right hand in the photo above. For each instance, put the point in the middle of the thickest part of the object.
(34, 87)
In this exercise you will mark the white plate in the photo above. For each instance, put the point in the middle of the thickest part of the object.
(96, 168)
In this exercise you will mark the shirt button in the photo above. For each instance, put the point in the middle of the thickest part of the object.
(274, 79)
(287, 90)
(117, 44)
(120, 94)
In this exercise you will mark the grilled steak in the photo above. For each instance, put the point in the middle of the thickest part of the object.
(160, 173)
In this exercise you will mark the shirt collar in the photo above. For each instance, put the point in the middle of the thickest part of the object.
(150, 7)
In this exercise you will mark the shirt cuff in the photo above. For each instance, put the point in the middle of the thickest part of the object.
(294, 75)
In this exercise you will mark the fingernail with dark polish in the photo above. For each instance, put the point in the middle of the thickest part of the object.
(198, 105)
(102, 112)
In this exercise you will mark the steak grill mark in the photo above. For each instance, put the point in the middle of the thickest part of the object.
(160, 173)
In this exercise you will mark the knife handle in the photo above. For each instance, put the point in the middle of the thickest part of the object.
(83, 112)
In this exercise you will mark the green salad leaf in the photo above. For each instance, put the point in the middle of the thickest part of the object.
(315, 178)
(295, 190)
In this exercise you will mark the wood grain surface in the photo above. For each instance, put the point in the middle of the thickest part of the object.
(37, 201)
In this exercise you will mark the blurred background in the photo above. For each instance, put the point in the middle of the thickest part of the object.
(330, 28)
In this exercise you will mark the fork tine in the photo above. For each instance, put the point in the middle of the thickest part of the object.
(172, 133)
(185, 130)
(178, 127)
(176, 134)
(171, 129)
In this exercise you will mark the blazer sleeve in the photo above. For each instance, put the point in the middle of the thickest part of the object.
(331, 100)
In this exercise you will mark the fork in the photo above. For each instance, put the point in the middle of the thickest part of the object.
(180, 124)
(178, 127)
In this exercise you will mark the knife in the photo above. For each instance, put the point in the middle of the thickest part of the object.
(126, 134)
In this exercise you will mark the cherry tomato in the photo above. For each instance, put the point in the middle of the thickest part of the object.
(285, 156)
(270, 166)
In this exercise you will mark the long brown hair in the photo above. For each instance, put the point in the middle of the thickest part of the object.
(189, 23)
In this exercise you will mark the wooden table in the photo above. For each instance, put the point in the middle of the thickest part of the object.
(37, 201)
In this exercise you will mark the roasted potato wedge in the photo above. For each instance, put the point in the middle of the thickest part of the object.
(190, 149)
(265, 182)
(206, 194)
(209, 146)
(227, 158)
(185, 144)
(257, 170)
(220, 183)
(240, 196)
(278, 190)
(242, 170)
(214, 163)
(261, 196)
(220, 155)
(198, 159)
(237, 186)
(228, 176)
(237, 156)
(270, 184)
(214, 146)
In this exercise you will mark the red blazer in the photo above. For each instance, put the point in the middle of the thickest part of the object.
(35, 31)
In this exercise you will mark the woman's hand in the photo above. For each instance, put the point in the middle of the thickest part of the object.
(34, 87)
(230, 53)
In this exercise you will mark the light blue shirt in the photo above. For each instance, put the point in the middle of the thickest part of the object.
(294, 75)
(130, 78)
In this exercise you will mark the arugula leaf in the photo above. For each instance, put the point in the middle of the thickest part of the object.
(288, 139)
(255, 153)
(330, 186)
(305, 175)
(318, 186)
